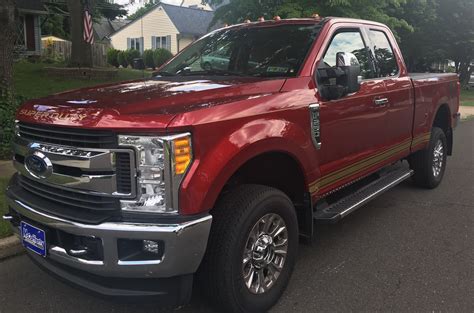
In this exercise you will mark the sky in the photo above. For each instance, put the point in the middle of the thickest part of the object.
(138, 3)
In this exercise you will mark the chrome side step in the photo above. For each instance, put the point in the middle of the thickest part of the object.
(355, 200)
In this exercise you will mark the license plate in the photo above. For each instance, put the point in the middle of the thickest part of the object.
(33, 238)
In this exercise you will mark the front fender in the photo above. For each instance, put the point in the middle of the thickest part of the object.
(218, 161)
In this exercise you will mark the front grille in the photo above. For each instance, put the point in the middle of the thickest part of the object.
(39, 197)
(72, 199)
(68, 136)
(89, 175)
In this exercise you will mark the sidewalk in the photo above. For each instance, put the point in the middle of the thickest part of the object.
(466, 111)
(6, 168)
(9, 246)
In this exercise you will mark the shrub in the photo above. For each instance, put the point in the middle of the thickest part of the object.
(161, 56)
(8, 106)
(148, 59)
(122, 58)
(132, 54)
(112, 57)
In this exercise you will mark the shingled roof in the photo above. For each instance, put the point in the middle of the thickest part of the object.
(189, 21)
(105, 27)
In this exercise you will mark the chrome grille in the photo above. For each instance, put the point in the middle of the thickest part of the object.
(82, 183)
(69, 198)
(64, 136)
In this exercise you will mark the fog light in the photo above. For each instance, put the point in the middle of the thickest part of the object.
(151, 246)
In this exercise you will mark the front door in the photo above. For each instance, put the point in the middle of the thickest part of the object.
(351, 128)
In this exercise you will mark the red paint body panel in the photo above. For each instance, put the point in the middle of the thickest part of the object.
(234, 120)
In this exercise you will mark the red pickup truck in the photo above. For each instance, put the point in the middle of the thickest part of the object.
(211, 173)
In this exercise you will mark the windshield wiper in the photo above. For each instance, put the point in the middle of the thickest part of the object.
(164, 73)
(213, 73)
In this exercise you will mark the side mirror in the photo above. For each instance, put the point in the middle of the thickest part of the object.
(340, 80)
(348, 62)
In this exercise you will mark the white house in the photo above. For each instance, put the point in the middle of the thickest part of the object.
(166, 26)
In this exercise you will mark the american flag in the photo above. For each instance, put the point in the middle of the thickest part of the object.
(88, 31)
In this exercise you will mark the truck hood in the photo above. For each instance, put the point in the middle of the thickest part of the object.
(128, 104)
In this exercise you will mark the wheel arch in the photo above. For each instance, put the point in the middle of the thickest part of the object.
(442, 119)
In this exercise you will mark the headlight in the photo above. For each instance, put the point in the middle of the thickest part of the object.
(162, 164)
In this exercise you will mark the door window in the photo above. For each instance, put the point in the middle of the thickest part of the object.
(384, 56)
(349, 41)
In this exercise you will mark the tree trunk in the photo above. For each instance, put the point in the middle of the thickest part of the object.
(7, 43)
(81, 54)
(465, 71)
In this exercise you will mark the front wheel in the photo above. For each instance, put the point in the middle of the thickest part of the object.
(252, 249)
(430, 164)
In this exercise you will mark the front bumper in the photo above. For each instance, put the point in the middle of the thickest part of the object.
(184, 245)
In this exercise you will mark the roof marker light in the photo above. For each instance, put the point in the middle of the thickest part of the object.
(277, 18)
(315, 15)
(261, 19)
(247, 21)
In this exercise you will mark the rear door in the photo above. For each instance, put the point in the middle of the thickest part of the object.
(353, 127)
(399, 96)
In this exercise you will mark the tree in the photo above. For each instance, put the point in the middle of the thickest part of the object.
(144, 10)
(8, 15)
(81, 52)
(378, 10)
(56, 25)
(455, 35)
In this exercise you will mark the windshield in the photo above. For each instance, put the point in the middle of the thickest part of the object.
(277, 51)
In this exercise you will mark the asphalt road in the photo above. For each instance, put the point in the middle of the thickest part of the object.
(411, 250)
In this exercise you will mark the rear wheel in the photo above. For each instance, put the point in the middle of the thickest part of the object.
(252, 249)
(429, 164)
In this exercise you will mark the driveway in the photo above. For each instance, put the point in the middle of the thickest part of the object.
(411, 250)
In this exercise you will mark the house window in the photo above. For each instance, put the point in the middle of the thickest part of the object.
(21, 35)
(161, 42)
(135, 43)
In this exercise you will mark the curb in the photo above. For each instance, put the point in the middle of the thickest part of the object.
(9, 247)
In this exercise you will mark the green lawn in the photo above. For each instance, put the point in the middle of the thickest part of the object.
(4, 226)
(467, 97)
(32, 82)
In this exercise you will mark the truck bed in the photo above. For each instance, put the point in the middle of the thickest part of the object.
(425, 76)
(432, 91)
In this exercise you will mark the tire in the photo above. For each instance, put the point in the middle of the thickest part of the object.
(222, 272)
(429, 171)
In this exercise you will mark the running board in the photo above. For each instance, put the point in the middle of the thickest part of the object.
(352, 202)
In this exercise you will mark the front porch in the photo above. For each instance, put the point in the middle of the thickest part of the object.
(28, 41)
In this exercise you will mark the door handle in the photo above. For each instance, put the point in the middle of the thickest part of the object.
(381, 101)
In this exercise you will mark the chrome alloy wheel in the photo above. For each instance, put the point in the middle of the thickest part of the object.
(438, 158)
(265, 253)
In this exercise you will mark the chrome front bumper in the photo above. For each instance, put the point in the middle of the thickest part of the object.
(184, 244)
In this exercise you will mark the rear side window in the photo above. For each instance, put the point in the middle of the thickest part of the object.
(349, 41)
(384, 56)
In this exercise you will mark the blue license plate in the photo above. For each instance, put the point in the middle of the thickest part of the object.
(33, 238)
